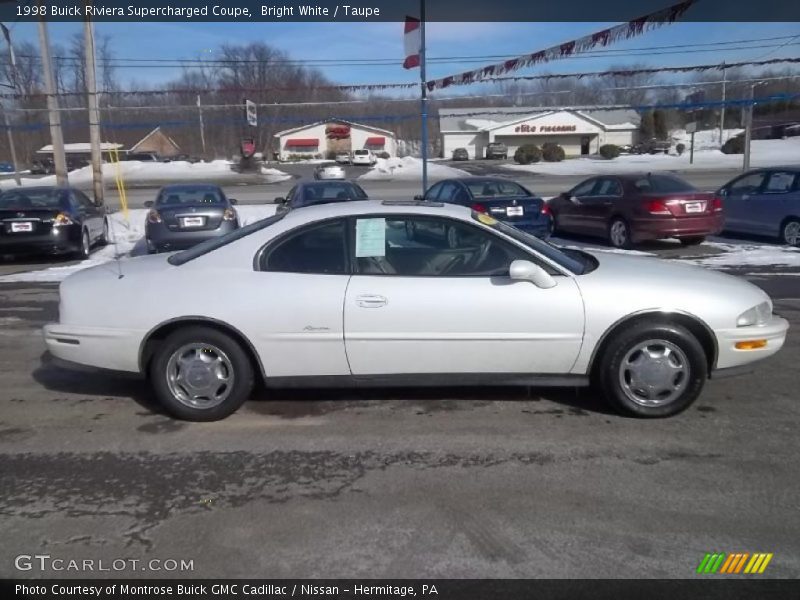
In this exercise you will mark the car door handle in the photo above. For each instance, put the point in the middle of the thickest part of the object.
(371, 301)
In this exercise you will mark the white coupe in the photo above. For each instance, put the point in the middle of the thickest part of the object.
(408, 293)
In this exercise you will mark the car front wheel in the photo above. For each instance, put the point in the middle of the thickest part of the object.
(652, 370)
(790, 232)
(693, 240)
(201, 374)
(85, 248)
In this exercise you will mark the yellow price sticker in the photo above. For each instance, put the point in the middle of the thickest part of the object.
(486, 219)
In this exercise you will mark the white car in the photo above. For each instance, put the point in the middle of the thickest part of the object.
(329, 172)
(341, 294)
(363, 157)
(343, 158)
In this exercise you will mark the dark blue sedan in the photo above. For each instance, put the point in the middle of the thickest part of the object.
(504, 200)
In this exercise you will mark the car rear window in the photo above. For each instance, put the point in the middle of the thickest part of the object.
(487, 189)
(361, 152)
(184, 196)
(19, 200)
(663, 184)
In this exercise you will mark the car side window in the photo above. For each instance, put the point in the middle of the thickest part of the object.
(447, 192)
(779, 182)
(80, 200)
(433, 192)
(461, 196)
(415, 246)
(584, 189)
(320, 249)
(608, 187)
(749, 184)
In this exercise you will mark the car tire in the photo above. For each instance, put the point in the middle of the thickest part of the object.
(693, 240)
(619, 234)
(85, 248)
(652, 370)
(790, 232)
(104, 236)
(210, 355)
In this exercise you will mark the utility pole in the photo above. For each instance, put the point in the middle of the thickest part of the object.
(94, 112)
(748, 128)
(424, 98)
(202, 127)
(56, 135)
(12, 148)
(722, 110)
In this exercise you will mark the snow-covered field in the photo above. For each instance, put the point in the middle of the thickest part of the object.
(134, 171)
(763, 153)
(408, 168)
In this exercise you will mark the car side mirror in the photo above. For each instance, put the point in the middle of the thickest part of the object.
(280, 200)
(525, 270)
(233, 201)
(574, 199)
(419, 198)
(148, 204)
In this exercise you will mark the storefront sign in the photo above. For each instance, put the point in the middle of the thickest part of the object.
(545, 128)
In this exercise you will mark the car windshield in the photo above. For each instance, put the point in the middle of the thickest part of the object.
(663, 184)
(218, 242)
(189, 195)
(574, 263)
(487, 189)
(20, 200)
(326, 192)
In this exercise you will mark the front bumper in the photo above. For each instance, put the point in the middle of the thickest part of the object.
(115, 349)
(728, 356)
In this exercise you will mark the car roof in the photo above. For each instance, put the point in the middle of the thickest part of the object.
(480, 179)
(39, 188)
(317, 212)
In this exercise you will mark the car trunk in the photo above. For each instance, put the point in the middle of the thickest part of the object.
(511, 209)
(683, 204)
(184, 218)
(27, 221)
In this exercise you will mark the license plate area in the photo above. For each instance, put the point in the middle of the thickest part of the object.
(694, 207)
(190, 222)
(22, 227)
(514, 211)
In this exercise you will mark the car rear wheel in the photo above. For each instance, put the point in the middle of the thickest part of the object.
(104, 237)
(652, 370)
(790, 232)
(201, 374)
(693, 241)
(619, 234)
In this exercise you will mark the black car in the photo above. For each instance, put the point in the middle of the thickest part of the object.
(504, 200)
(307, 193)
(496, 150)
(460, 154)
(186, 214)
(50, 220)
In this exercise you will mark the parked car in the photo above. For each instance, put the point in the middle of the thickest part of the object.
(651, 146)
(329, 172)
(50, 220)
(142, 156)
(363, 157)
(6, 167)
(764, 202)
(460, 154)
(184, 215)
(368, 306)
(504, 200)
(496, 150)
(632, 208)
(343, 158)
(308, 193)
(42, 166)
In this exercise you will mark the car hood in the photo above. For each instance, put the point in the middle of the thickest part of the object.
(627, 284)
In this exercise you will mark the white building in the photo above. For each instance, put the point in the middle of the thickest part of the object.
(577, 131)
(332, 136)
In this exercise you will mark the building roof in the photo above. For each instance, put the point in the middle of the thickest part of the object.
(485, 118)
(333, 120)
(155, 131)
(80, 148)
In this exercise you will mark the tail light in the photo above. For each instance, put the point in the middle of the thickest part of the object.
(478, 207)
(546, 209)
(229, 214)
(61, 220)
(716, 204)
(657, 207)
(153, 216)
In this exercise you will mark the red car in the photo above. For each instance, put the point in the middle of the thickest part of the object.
(627, 209)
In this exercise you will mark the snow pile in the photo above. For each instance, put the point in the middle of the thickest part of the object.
(763, 153)
(135, 171)
(408, 168)
(749, 254)
(708, 139)
(127, 239)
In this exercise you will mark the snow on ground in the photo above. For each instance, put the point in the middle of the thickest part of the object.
(708, 139)
(763, 153)
(748, 254)
(127, 240)
(410, 168)
(135, 171)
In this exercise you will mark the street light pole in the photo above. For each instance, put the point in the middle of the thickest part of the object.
(94, 112)
(748, 130)
(722, 110)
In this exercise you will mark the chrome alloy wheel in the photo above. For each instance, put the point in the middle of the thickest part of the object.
(654, 373)
(619, 234)
(200, 375)
(791, 233)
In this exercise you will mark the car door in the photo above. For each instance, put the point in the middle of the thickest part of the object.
(774, 203)
(308, 270)
(91, 214)
(573, 216)
(597, 209)
(736, 203)
(429, 306)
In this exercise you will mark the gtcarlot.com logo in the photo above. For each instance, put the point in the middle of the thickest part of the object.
(734, 563)
(46, 562)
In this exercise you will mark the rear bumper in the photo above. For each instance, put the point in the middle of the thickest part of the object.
(654, 229)
(116, 349)
(163, 238)
(728, 356)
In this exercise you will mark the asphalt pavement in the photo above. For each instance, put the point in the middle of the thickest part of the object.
(498, 482)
